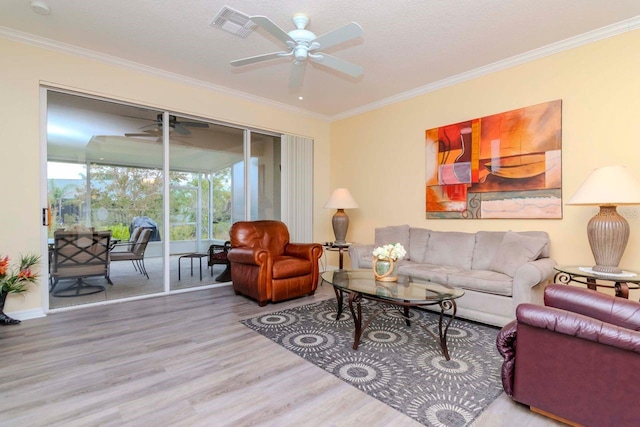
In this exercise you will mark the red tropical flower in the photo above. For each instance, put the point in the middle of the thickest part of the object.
(17, 279)
(4, 265)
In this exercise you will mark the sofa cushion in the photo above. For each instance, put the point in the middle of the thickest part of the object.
(288, 266)
(366, 261)
(487, 243)
(514, 251)
(482, 281)
(433, 273)
(418, 240)
(393, 234)
(452, 248)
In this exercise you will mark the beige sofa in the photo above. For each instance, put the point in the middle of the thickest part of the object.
(497, 270)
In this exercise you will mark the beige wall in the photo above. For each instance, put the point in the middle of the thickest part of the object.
(379, 155)
(25, 67)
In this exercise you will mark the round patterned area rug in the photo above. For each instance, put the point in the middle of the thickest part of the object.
(397, 364)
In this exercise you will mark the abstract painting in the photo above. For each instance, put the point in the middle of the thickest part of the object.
(507, 165)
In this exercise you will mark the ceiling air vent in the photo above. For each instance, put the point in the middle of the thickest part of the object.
(233, 22)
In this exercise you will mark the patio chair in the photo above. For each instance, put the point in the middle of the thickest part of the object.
(132, 239)
(135, 252)
(218, 255)
(78, 255)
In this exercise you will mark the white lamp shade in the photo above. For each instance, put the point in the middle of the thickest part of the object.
(609, 185)
(341, 198)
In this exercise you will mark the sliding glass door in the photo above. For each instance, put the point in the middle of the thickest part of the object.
(201, 158)
(166, 187)
(102, 176)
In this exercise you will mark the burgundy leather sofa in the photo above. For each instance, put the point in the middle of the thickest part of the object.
(267, 267)
(577, 358)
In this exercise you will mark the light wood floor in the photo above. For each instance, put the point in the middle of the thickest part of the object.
(182, 360)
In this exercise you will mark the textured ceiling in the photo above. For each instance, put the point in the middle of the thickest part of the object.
(407, 44)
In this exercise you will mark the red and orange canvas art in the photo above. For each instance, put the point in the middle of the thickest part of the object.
(507, 165)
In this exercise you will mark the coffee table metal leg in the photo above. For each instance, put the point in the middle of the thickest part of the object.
(443, 327)
(445, 306)
(357, 318)
(339, 302)
(355, 297)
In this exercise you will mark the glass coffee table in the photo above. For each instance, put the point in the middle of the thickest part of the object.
(407, 292)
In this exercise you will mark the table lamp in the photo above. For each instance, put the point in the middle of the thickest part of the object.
(608, 231)
(340, 199)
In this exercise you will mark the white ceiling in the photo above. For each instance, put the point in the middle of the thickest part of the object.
(407, 44)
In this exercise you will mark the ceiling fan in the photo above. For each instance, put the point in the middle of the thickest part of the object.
(179, 126)
(302, 44)
(155, 136)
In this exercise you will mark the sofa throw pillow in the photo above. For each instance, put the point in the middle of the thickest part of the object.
(393, 234)
(514, 251)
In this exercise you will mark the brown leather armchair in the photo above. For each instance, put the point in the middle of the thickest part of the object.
(576, 359)
(266, 267)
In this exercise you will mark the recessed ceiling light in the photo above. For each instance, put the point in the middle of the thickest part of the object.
(40, 7)
(300, 98)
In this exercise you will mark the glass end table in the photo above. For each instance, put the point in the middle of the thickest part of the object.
(620, 282)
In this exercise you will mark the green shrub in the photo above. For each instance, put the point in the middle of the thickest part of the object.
(119, 231)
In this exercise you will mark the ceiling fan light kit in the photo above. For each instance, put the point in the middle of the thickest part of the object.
(303, 44)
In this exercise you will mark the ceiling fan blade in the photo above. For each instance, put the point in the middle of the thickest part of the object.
(193, 124)
(339, 35)
(258, 58)
(297, 74)
(181, 129)
(269, 26)
(337, 64)
(139, 118)
(139, 135)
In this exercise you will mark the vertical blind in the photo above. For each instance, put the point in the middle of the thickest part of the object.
(297, 187)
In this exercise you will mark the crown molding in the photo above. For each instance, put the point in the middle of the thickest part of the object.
(66, 48)
(561, 46)
(532, 55)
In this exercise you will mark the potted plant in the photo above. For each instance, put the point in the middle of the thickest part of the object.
(15, 280)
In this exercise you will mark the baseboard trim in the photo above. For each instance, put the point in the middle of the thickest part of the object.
(554, 417)
(27, 314)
